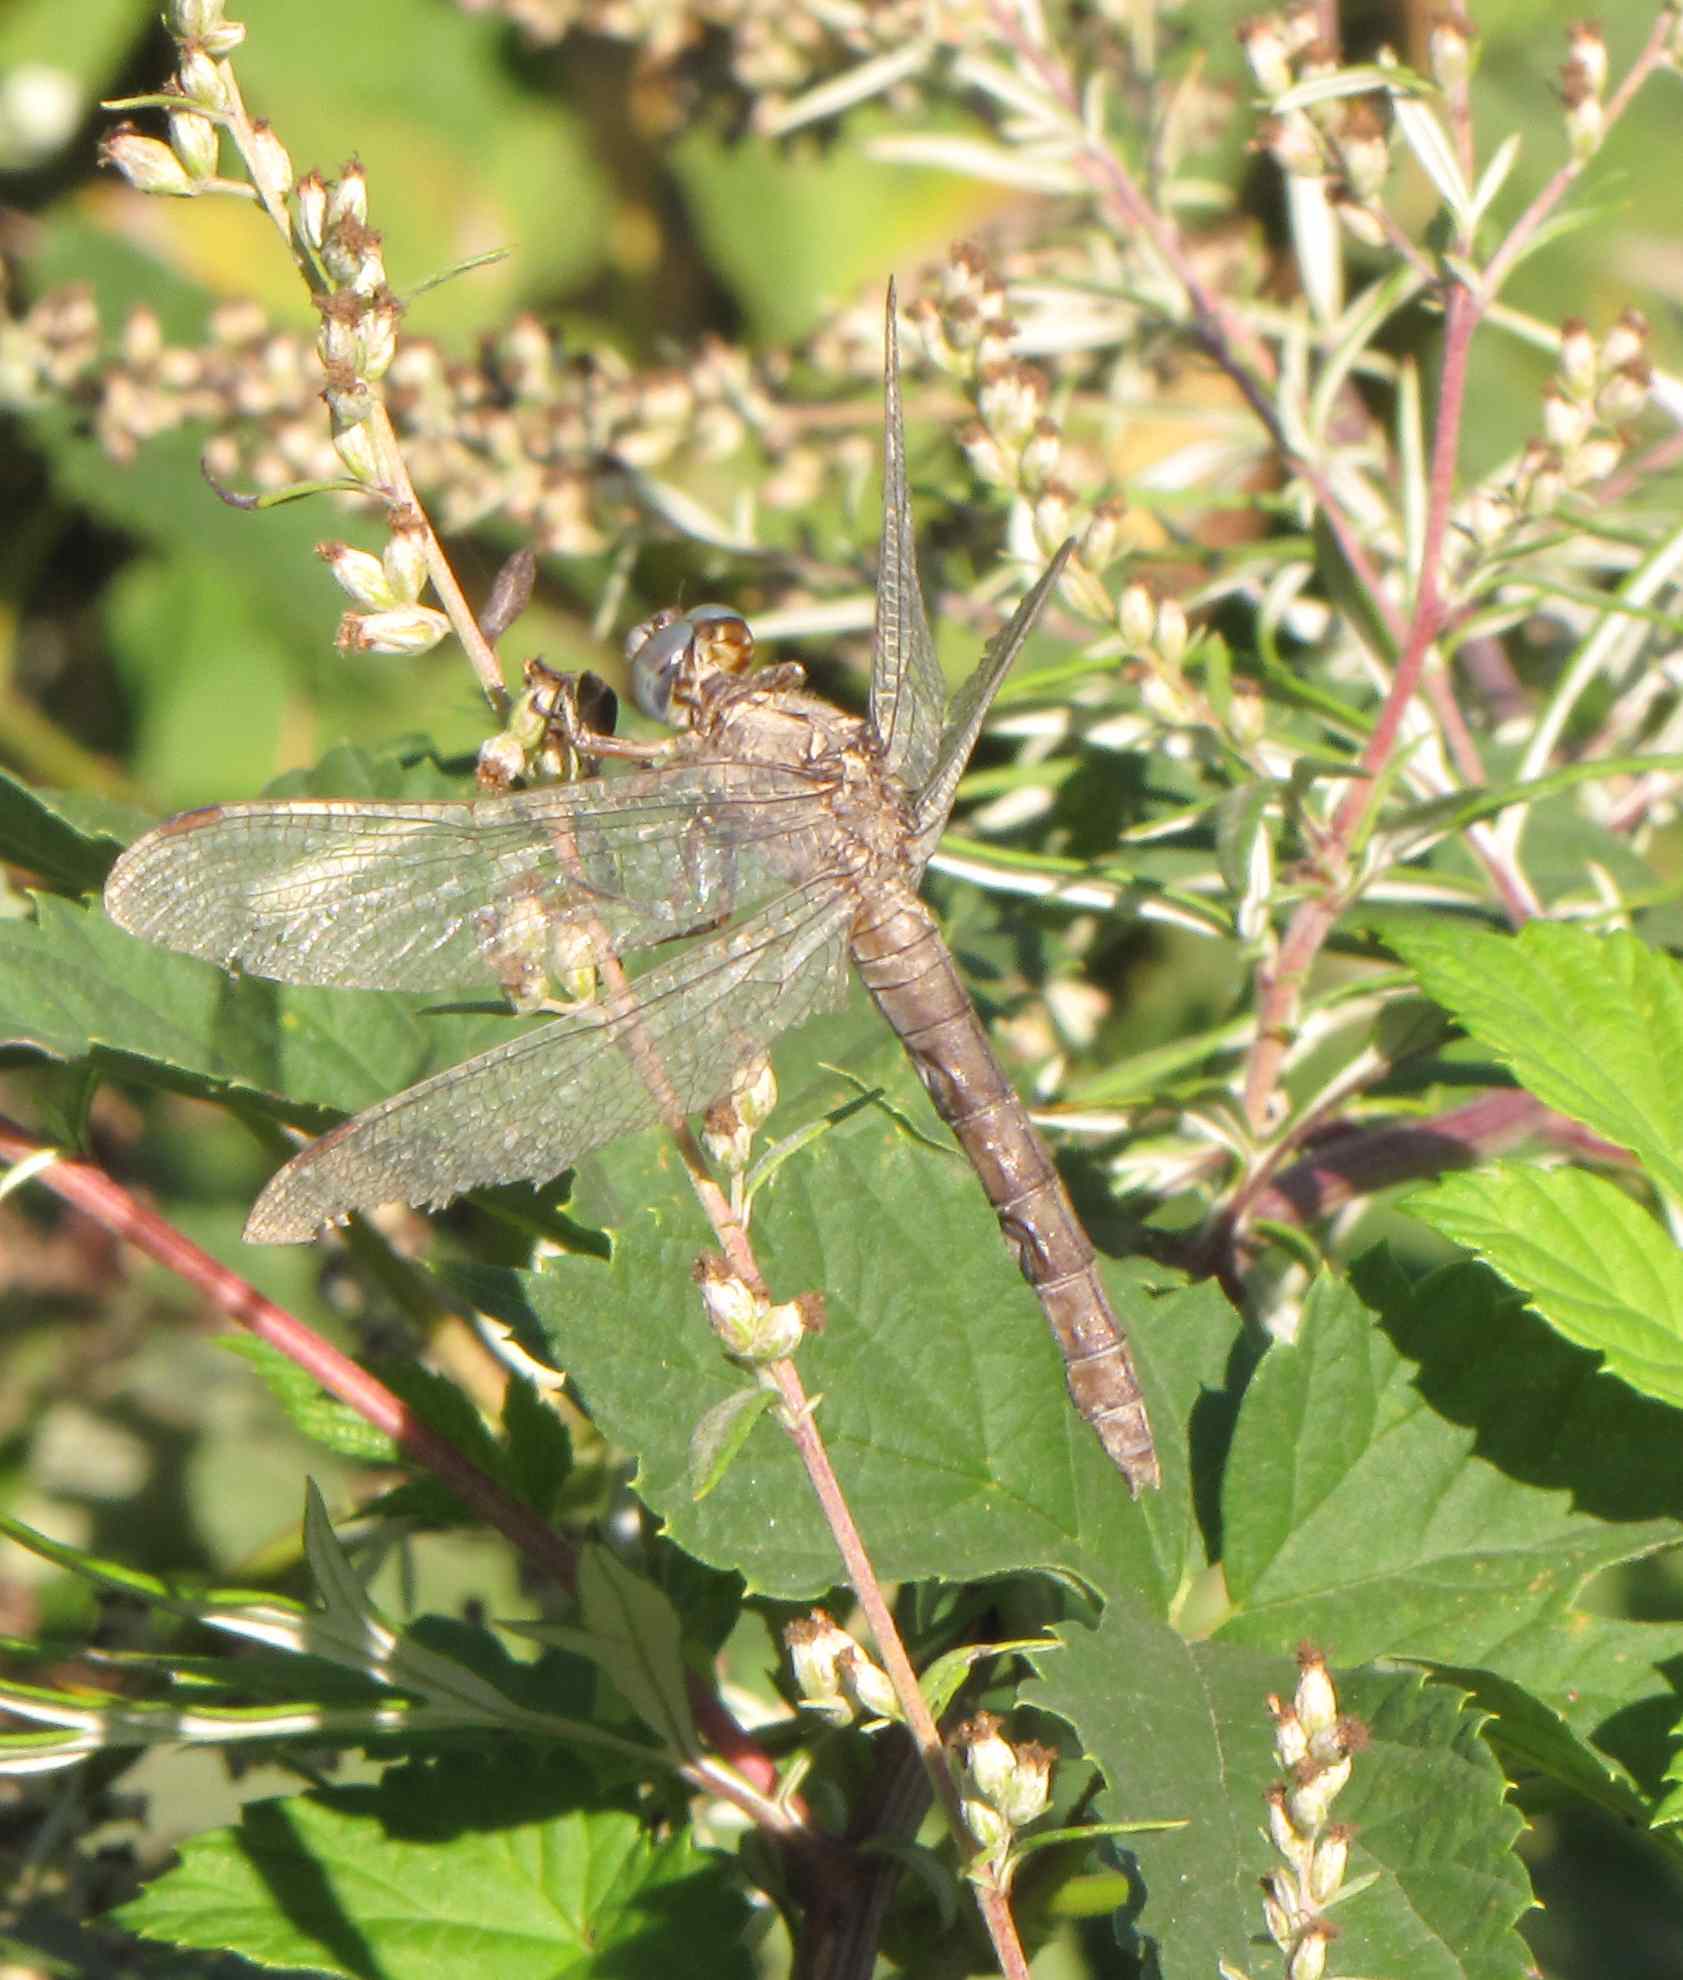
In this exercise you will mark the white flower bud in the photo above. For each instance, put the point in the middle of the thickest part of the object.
(1566, 421)
(1627, 340)
(1316, 1701)
(1266, 53)
(361, 576)
(1586, 51)
(1308, 1959)
(200, 80)
(267, 161)
(311, 222)
(347, 197)
(147, 163)
(1328, 1864)
(196, 142)
(1449, 51)
(406, 629)
(865, 1685)
(754, 1090)
(1624, 392)
(405, 562)
(986, 457)
(1136, 617)
(1579, 360)
(1040, 456)
(1172, 633)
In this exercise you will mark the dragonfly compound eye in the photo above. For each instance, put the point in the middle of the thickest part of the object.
(671, 655)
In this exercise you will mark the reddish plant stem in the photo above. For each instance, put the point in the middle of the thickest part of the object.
(91, 1190)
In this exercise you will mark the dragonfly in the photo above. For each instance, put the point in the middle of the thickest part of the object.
(781, 835)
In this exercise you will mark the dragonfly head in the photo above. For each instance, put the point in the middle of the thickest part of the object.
(672, 655)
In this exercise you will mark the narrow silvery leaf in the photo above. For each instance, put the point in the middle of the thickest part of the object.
(1429, 142)
(855, 85)
(974, 160)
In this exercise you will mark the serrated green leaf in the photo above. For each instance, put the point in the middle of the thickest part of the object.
(56, 836)
(1184, 1735)
(630, 1631)
(1593, 1263)
(450, 1874)
(943, 1401)
(1591, 1024)
(321, 1418)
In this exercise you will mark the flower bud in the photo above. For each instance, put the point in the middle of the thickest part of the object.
(1308, 1959)
(1565, 421)
(1627, 340)
(200, 80)
(377, 336)
(1586, 50)
(1579, 359)
(1328, 1863)
(816, 1645)
(409, 630)
(1316, 1701)
(754, 1090)
(1596, 459)
(267, 161)
(985, 455)
(1309, 1800)
(347, 197)
(1011, 399)
(143, 338)
(196, 142)
(1281, 1907)
(1624, 392)
(1172, 631)
(311, 221)
(147, 163)
(865, 1685)
(1136, 617)
(220, 41)
(726, 1137)
(1101, 540)
(361, 576)
(1291, 1742)
(1363, 148)
(405, 561)
(1267, 55)
(1449, 51)
(751, 1330)
(1040, 456)
(1586, 121)
(1054, 511)
(192, 20)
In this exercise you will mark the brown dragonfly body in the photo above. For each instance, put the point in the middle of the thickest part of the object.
(779, 834)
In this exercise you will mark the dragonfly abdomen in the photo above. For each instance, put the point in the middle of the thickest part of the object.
(909, 972)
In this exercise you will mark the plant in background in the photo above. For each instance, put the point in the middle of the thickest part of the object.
(1372, 720)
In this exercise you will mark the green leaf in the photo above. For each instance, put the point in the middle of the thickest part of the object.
(71, 984)
(321, 1418)
(943, 1401)
(1443, 1485)
(57, 836)
(630, 1631)
(1595, 1265)
(1183, 1733)
(1591, 1024)
(450, 1873)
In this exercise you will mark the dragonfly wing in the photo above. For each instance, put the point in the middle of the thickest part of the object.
(528, 1109)
(908, 690)
(970, 707)
(457, 895)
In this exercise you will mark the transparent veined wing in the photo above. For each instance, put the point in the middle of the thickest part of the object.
(970, 705)
(451, 896)
(908, 689)
(526, 1110)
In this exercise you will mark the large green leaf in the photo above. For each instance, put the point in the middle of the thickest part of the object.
(450, 1873)
(1184, 1734)
(943, 1399)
